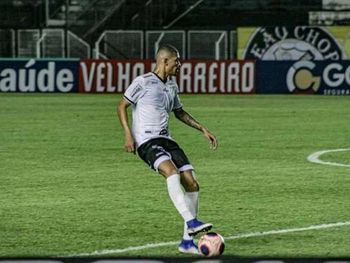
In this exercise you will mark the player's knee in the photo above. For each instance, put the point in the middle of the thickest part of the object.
(189, 181)
(192, 186)
(195, 187)
(172, 171)
(168, 171)
(167, 168)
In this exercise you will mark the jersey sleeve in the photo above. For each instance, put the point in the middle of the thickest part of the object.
(177, 101)
(135, 91)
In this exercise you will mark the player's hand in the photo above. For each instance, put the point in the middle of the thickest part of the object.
(129, 144)
(212, 139)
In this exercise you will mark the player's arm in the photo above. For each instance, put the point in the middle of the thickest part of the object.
(186, 118)
(122, 111)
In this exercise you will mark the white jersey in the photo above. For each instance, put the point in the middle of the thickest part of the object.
(152, 101)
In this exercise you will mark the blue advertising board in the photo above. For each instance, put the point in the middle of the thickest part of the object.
(303, 77)
(31, 75)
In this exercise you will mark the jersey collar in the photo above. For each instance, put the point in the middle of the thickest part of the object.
(164, 81)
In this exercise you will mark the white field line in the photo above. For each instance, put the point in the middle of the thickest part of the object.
(239, 236)
(314, 158)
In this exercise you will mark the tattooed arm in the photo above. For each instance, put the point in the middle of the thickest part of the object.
(190, 121)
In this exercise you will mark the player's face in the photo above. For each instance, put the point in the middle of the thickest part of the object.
(174, 64)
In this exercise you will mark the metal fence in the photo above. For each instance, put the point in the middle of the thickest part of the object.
(120, 44)
(207, 44)
(27, 43)
(53, 44)
(117, 44)
(47, 43)
(197, 44)
(76, 47)
(156, 38)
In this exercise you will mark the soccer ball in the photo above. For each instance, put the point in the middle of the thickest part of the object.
(211, 244)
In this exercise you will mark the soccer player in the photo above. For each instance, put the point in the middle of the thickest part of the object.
(153, 97)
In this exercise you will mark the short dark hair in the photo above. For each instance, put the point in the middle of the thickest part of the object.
(169, 48)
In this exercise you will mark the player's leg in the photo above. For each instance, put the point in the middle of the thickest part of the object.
(191, 187)
(168, 169)
(180, 200)
(189, 180)
(154, 153)
(165, 156)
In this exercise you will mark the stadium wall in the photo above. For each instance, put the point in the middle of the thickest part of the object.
(196, 76)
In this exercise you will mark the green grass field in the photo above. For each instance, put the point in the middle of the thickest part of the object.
(68, 188)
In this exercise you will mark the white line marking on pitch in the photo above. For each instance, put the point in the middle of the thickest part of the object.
(314, 158)
(239, 236)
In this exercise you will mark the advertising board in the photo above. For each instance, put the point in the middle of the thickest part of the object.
(195, 77)
(303, 77)
(294, 43)
(31, 75)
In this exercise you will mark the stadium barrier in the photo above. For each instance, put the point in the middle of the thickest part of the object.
(114, 76)
(36, 75)
(303, 77)
(225, 77)
(195, 77)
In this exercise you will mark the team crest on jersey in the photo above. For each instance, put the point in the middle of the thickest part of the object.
(293, 43)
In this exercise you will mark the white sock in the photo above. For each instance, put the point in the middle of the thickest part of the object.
(191, 199)
(178, 197)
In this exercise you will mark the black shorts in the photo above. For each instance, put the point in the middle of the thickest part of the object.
(157, 150)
